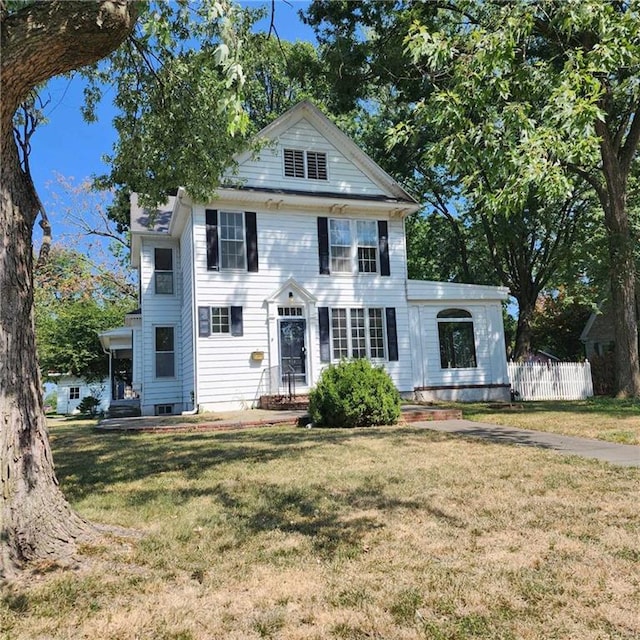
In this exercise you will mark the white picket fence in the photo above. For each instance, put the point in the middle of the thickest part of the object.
(553, 381)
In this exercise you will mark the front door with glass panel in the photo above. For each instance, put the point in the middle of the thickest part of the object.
(293, 353)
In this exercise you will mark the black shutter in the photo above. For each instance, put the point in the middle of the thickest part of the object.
(211, 219)
(251, 232)
(392, 333)
(323, 321)
(323, 245)
(236, 321)
(383, 247)
(204, 322)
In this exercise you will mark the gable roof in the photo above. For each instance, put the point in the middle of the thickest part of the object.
(165, 219)
(308, 111)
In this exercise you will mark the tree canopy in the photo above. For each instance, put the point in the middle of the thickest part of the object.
(138, 46)
(73, 303)
(505, 102)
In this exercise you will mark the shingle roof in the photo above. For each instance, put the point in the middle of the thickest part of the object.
(143, 220)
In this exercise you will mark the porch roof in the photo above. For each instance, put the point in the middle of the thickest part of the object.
(118, 338)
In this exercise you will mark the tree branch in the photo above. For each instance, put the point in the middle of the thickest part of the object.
(46, 39)
(630, 146)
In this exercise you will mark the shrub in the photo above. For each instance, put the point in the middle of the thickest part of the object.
(354, 393)
(89, 405)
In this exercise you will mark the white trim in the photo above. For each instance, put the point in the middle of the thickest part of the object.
(450, 292)
(329, 204)
(307, 110)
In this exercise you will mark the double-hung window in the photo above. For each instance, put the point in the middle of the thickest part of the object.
(339, 334)
(163, 268)
(376, 334)
(311, 165)
(457, 341)
(353, 246)
(367, 246)
(220, 320)
(232, 239)
(165, 352)
(340, 246)
(74, 393)
(358, 333)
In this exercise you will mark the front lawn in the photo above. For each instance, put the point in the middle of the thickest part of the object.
(601, 418)
(394, 532)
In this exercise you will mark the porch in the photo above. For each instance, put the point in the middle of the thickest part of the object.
(124, 400)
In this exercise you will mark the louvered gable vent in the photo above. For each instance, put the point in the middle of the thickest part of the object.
(311, 165)
(316, 165)
(294, 163)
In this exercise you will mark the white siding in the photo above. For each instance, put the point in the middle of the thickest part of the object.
(137, 372)
(226, 374)
(186, 269)
(267, 171)
(288, 248)
(480, 381)
(67, 406)
(159, 310)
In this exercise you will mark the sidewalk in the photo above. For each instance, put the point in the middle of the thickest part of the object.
(439, 420)
(625, 455)
(203, 422)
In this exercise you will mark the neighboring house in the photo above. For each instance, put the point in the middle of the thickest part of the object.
(598, 334)
(538, 356)
(71, 391)
(300, 261)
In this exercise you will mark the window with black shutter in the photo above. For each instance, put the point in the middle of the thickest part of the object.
(232, 240)
(220, 320)
(353, 246)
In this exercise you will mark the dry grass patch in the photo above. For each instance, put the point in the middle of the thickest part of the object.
(606, 419)
(312, 534)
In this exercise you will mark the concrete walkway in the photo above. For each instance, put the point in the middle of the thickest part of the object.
(626, 455)
(621, 454)
(203, 422)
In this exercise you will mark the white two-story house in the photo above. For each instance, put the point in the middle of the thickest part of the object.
(299, 262)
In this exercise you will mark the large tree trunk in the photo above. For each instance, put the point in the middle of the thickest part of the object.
(526, 311)
(623, 298)
(40, 41)
(621, 259)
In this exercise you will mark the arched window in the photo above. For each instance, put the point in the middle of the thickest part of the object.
(457, 342)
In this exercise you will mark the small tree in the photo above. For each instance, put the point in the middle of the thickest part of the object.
(89, 406)
(354, 393)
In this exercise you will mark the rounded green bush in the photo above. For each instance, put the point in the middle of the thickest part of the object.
(89, 406)
(354, 393)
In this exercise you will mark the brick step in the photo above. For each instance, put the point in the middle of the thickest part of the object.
(411, 414)
(284, 403)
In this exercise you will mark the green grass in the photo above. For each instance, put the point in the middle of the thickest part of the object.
(393, 532)
(606, 419)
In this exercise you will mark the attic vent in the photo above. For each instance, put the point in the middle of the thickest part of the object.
(305, 164)
(294, 163)
(316, 165)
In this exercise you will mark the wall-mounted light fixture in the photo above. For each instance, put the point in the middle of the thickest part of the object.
(290, 297)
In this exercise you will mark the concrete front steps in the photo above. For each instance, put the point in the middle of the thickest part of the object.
(124, 409)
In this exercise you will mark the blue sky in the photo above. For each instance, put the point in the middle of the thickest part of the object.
(70, 147)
